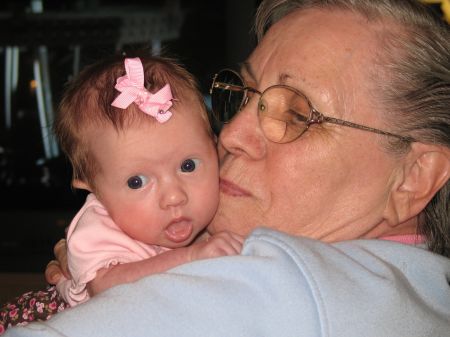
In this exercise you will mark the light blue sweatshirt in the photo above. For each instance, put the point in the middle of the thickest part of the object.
(280, 286)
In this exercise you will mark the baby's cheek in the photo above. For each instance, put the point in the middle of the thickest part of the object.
(209, 203)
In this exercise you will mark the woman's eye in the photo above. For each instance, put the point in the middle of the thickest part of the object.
(136, 182)
(297, 116)
(189, 165)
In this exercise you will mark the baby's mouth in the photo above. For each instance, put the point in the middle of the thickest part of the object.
(179, 230)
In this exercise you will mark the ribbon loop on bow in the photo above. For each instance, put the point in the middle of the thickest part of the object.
(132, 90)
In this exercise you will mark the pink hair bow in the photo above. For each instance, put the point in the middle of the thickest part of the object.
(132, 90)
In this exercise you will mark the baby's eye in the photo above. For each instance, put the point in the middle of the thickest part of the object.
(136, 182)
(189, 165)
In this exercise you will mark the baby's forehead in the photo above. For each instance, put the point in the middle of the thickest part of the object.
(184, 128)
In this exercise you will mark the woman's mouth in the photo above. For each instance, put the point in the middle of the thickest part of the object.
(231, 189)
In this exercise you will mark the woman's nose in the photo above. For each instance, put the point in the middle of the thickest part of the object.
(243, 135)
(173, 195)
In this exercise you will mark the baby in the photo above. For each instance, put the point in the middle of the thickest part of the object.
(138, 137)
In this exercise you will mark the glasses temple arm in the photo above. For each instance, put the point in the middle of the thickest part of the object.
(231, 87)
(366, 128)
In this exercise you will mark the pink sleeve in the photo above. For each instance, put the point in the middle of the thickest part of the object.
(95, 242)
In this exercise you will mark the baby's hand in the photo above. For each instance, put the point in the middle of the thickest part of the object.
(220, 244)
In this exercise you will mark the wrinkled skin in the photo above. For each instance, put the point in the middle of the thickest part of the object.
(333, 183)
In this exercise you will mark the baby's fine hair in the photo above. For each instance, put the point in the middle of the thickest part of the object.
(86, 103)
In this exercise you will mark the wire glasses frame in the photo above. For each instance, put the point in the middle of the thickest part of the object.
(291, 118)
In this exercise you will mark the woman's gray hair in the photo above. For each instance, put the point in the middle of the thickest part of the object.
(414, 89)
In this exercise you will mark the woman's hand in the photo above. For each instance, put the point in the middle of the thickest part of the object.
(56, 269)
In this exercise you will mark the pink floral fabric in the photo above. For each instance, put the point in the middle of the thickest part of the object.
(31, 306)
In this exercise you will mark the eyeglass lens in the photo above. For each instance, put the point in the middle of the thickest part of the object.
(282, 111)
(283, 114)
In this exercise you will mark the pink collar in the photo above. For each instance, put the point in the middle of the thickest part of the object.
(409, 239)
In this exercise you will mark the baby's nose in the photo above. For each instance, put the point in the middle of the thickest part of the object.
(173, 195)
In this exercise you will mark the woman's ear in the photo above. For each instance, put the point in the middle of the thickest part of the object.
(80, 184)
(425, 172)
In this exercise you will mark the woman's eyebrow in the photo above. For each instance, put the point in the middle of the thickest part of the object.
(247, 71)
(283, 78)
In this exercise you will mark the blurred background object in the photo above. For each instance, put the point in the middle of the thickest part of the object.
(440, 6)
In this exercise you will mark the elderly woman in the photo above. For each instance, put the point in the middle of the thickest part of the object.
(339, 144)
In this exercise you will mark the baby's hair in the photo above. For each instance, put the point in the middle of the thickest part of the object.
(86, 103)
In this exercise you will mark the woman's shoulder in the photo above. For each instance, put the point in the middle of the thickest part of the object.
(364, 282)
(363, 257)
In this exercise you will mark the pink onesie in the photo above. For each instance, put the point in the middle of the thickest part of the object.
(94, 242)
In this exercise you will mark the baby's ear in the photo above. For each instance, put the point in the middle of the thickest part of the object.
(426, 172)
(81, 185)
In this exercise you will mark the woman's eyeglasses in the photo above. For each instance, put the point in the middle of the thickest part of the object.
(284, 112)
